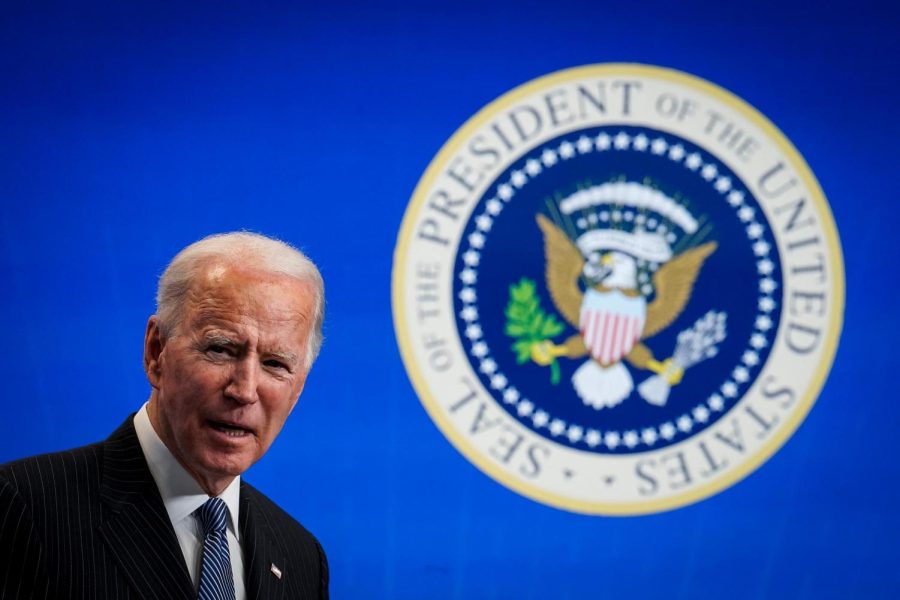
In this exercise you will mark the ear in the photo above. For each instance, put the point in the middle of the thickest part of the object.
(153, 347)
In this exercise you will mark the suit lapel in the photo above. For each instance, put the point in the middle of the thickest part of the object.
(260, 550)
(138, 531)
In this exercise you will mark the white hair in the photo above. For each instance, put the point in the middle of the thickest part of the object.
(246, 249)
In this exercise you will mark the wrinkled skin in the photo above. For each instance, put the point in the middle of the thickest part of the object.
(226, 379)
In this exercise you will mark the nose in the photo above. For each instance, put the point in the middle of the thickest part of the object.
(243, 383)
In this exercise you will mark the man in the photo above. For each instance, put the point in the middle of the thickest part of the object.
(159, 510)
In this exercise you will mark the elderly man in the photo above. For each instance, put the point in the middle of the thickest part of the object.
(159, 510)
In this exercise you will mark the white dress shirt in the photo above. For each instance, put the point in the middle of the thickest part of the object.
(182, 495)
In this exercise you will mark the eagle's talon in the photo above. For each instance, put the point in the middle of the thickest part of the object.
(544, 353)
(667, 369)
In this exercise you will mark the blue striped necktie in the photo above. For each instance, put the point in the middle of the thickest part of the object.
(216, 581)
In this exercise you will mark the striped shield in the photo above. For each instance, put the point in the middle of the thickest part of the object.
(611, 323)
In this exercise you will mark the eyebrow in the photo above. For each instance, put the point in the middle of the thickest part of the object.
(217, 338)
(288, 357)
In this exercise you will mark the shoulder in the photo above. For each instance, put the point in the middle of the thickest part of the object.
(284, 531)
(57, 473)
(273, 516)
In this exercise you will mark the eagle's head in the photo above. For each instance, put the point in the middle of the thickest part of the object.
(615, 270)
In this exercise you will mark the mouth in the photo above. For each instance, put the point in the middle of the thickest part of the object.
(232, 430)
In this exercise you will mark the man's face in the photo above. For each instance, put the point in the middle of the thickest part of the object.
(227, 378)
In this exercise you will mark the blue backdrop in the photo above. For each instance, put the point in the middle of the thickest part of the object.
(131, 130)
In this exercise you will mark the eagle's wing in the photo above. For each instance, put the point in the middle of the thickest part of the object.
(674, 282)
(564, 264)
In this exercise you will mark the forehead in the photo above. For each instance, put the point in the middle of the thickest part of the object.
(227, 294)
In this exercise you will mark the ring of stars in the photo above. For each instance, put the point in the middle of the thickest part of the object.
(704, 167)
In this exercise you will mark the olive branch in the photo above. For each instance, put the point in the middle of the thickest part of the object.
(528, 324)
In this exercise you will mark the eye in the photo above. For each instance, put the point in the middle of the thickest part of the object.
(218, 349)
(273, 363)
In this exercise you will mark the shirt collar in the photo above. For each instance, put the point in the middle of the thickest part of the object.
(181, 494)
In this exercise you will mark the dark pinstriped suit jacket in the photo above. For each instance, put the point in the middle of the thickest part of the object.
(90, 523)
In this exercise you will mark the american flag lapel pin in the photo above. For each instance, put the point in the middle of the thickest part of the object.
(276, 571)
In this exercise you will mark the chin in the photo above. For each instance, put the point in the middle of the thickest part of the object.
(226, 466)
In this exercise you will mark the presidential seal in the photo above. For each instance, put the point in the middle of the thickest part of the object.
(618, 289)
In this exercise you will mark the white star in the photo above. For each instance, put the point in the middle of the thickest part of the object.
(729, 389)
(701, 415)
(630, 438)
(525, 408)
(708, 172)
(479, 349)
(468, 276)
(723, 184)
(757, 340)
(767, 285)
(483, 222)
(557, 427)
(592, 438)
(566, 150)
(473, 332)
(716, 403)
(582, 223)
(533, 167)
(498, 382)
(735, 198)
(684, 423)
(518, 178)
(505, 191)
(763, 323)
(467, 295)
(765, 267)
(494, 206)
(745, 213)
(658, 146)
(584, 144)
(693, 161)
(648, 436)
(616, 216)
(471, 258)
(488, 365)
(511, 395)
(603, 141)
(761, 248)
(667, 430)
(750, 358)
(548, 157)
(740, 374)
(611, 439)
(677, 152)
(766, 304)
(476, 240)
(641, 142)
(622, 140)
(575, 433)
(754, 230)
(540, 418)
(469, 313)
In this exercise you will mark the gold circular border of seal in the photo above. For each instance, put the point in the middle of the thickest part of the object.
(767, 450)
